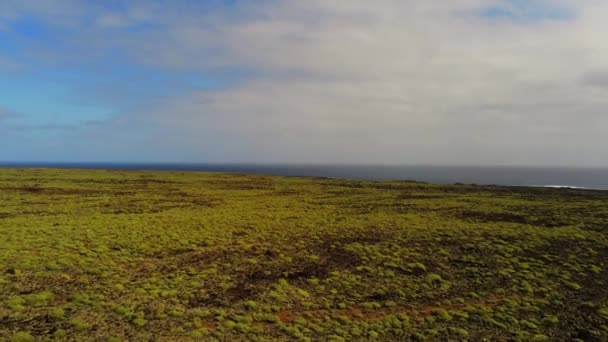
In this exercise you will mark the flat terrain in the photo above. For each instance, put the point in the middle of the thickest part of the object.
(94, 255)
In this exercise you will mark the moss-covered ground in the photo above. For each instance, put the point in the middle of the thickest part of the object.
(94, 255)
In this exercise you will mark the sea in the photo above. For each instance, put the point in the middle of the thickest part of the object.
(566, 177)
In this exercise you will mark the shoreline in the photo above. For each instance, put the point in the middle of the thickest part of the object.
(251, 169)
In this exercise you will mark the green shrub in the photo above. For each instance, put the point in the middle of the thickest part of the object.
(551, 319)
(16, 304)
(528, 324)
(303, 293)
(573, 285)
(60, 333)
(78, 324)
(443, 315)
(458, 331)
(229, 324)
(251, 305)
(83, 298)
(417, 267)
(433, 278)
(57, 313)
(139, 322)
(22, 336)
(418, 337)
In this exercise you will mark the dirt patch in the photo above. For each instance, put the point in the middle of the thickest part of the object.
(238, 184)
(407, 196)
(418, 311)
(62, 191)
(6, 215)
(288, 193)
(538, 219)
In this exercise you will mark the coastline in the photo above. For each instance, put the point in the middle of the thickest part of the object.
(438, 175)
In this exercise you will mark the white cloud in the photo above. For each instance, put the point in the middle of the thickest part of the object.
(399, 82)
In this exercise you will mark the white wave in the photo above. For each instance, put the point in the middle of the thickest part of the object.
(563, 186)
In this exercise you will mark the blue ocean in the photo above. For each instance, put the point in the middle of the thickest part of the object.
(589, 178)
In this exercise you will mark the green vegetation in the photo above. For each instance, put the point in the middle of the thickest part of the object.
(94, 255)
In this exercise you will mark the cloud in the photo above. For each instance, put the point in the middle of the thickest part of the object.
(7, 64)
(12, 121)
(6, 114)
(596, 78)
(391, 81)
(7, 118)
(398, 82)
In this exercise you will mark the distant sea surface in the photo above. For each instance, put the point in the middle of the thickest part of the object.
(591, 178)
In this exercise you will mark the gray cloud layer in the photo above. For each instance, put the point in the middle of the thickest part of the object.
(388, 81)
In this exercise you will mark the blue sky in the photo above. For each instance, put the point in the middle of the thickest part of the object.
(530, 11)
(472, 81)
(62, 90)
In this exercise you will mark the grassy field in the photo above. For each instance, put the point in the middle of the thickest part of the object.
(94, 255)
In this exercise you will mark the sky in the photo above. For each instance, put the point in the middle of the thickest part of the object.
(465, 82)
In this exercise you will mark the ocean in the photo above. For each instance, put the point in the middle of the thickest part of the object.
(590, 178)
